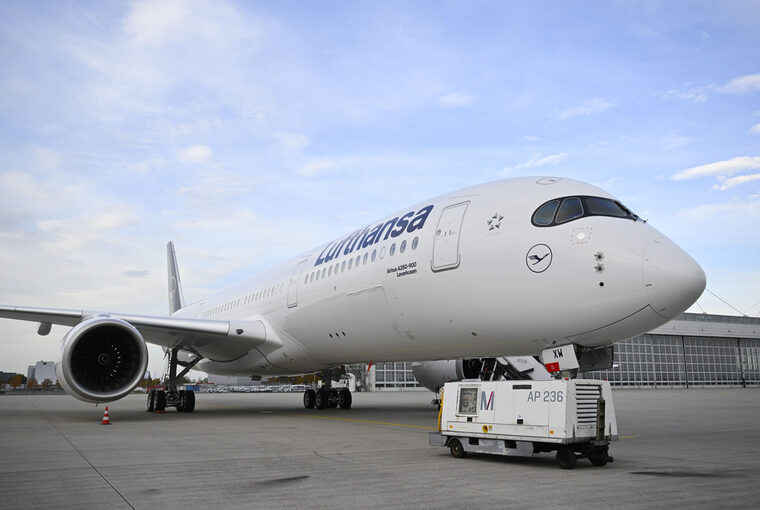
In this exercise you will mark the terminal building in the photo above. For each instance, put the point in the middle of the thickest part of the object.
(694, 350)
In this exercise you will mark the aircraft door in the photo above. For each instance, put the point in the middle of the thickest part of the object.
(446, 243)
(293, 286)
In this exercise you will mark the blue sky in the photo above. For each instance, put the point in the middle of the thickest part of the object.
(248, 132)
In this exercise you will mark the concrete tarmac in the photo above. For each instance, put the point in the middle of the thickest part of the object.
(682, 448)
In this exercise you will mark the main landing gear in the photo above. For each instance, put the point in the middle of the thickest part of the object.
(161, 397)
(327, 396)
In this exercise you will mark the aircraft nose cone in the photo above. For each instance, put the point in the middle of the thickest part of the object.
(673, 280)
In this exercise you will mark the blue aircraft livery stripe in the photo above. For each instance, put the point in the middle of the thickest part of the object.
(362, 238)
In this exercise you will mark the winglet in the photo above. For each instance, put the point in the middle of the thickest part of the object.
(176, 298)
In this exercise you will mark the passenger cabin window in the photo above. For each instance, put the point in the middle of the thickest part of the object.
(565, 209)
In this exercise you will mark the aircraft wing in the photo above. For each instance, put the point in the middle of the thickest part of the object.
(217, 340)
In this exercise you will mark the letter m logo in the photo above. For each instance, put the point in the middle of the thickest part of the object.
(486, 405)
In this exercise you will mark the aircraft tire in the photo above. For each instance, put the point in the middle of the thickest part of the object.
(181, 404)
(309, 399)
(322, 399)
(344, 399)
(151, 400)
(188, 402)
(160, 400)
(566, 458)
(456, 448)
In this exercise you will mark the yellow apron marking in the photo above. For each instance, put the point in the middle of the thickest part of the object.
(361, 421)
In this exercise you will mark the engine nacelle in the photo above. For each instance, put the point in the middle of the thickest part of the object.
(434, 374)
(102, 359)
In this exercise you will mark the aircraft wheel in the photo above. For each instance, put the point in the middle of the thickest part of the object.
(309, 399)
(456, 448)
(160, 400)
(151, 400)
(566, 458)
(181, 402)
(344, 399)
(322, 399)
(188, 402)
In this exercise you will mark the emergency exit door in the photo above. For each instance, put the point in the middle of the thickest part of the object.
(446, 244)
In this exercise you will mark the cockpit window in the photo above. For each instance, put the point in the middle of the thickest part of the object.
(562, 210)
(570, 209)
(545, 214)
(605, 207)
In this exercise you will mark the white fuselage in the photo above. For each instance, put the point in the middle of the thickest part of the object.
(462, 275)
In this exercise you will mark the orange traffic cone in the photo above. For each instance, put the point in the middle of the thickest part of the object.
(106, 419)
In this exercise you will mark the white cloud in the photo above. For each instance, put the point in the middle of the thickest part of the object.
(688, 93)
(532, 138)
(45, 159)
(735, 181)
(755, 129)
(154, 23)
(292, 141)
(540, 160)
(195, 154)
(537, 160)
(315, 168)
(675, 141)
(735, 208)
(136, 273)
(456, 99)
(742, 85)
(216, 185)
(72, 234)
(594, 105)
(724, 168)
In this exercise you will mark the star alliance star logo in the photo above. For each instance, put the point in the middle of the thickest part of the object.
(494, 222)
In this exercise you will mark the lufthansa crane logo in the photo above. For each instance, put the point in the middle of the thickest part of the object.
(539, 258)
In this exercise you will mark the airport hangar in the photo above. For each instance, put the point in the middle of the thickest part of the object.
(693, 350)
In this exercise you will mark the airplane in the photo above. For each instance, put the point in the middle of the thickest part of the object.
(508, 268)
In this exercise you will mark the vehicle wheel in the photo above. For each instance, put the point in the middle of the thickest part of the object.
(181, 401)
(456, 448)
(309, 399)
(189, 402)
(160, 400)
(321, 399)
(151, 400)
(599, 456)
(344, 399)
(566, 458)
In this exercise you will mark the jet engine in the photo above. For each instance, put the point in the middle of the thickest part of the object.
(434, 374)
(102, 359)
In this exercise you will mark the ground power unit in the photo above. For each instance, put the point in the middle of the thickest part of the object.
(575, 418)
